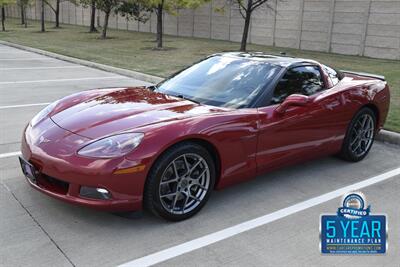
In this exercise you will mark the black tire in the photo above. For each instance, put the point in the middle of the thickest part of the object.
(347, 152)
(151, 197)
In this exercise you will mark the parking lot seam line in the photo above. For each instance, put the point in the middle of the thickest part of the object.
(66, 80)
(212, 238)
(9, 155)
(43, 68)
(5, 186)
(38, 224)
(24, 105)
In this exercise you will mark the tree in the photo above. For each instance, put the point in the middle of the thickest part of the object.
(42, 26)
(92, 5)
(170, 6)
(107, 6)
(3, 4)
(23, 4)
(92, 16)
(246, 9)
(22, 8)
(134, 9)
(56, 10)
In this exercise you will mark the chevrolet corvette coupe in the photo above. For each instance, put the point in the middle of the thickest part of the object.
(223, 120)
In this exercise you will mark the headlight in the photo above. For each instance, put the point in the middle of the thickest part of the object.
(112, 146)
(43, 113)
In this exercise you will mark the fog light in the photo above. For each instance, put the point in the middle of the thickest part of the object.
(93, 192)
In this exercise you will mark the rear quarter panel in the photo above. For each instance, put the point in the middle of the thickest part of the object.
(363, 91)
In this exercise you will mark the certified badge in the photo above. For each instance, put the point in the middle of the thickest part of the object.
(353, 230)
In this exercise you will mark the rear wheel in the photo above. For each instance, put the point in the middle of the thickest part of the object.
(360, 136)
(180, 182)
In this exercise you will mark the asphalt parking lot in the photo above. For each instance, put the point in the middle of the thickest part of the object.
(36, 230)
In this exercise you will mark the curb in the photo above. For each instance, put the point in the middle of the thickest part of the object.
(124, 72)
(389, 137)
(383, 136)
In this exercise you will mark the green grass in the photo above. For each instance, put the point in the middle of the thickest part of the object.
(134, 51)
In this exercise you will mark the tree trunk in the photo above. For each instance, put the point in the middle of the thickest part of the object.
(93, 17)
(42, 27)
(22, 14)
(160, 8)
(57, 13)
(3, 18)
(25, 20)
(245, 34)
(246, 27)
(105, 25)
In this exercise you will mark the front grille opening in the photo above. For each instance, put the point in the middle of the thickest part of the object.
(53, 184)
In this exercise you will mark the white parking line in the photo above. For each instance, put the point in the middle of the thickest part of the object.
(26, 58)
(43, 68)
(9, 155)
(65, 80)
(24, 105)
(200, 242)
(12, 52)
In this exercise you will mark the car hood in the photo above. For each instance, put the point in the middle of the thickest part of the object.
(124, 109)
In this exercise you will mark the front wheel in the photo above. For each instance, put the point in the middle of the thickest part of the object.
(360, 136)
(180, 182)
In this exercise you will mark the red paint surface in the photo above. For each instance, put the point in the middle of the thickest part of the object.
(247, 142)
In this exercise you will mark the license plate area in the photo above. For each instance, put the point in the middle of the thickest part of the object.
(28, 170)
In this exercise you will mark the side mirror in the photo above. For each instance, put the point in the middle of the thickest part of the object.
(292, 100)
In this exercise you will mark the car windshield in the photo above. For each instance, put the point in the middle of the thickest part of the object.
(224, 81)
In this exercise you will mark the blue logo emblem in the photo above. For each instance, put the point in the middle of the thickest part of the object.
(353, 230)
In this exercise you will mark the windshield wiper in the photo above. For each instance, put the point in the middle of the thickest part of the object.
(186, 98)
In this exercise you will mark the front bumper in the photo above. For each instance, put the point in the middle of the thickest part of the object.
(61, 172)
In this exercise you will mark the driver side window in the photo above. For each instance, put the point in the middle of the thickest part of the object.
(305, 80)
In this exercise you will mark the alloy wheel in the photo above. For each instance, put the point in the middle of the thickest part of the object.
(362, 135)
(184, 183)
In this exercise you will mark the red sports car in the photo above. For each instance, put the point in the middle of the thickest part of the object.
(225, 119)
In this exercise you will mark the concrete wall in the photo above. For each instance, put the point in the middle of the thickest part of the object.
(354, 27)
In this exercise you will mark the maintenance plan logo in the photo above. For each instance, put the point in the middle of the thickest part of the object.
(353, 230)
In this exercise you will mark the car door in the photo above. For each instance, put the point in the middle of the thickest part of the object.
(302, 131)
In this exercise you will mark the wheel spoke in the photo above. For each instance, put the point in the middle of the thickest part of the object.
(186, 201)
(175, 169)
(175, 200)
(186, 164)
(169, 181)
(357, 147)
(354, 141)
(193, 197)
(365, 118)
(195, 165)
(368, 125)
(359, 122)
(199, 185)
(200, 175)
(169, 195)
